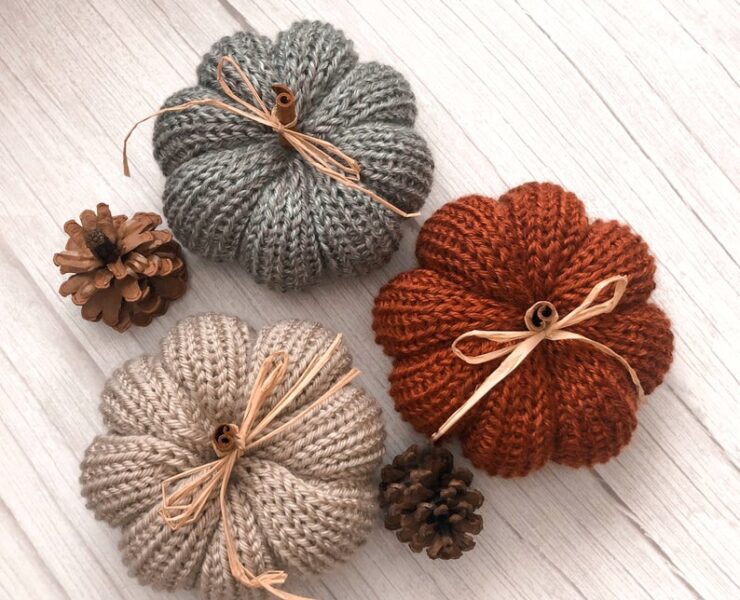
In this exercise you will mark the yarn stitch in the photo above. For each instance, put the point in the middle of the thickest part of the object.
(300, 502)
(235, 193)
(483, 263)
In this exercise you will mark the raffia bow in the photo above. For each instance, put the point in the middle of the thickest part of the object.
(543, 323)
(320, 154)
(185, 495)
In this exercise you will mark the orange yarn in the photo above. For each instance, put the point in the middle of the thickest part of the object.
(483, 263)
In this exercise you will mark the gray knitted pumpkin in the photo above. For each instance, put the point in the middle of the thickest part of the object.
(301, 502)
(235, 193)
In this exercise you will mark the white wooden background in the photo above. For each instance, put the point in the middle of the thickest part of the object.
(634, 106)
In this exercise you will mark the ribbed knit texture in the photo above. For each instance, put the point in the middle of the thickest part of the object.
(482, 264)
(301, 502)
(234, 193)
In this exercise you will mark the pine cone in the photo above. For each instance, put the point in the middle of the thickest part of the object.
(126, 271)
(428, 501)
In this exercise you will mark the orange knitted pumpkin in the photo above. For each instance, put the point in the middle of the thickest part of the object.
(483, 263)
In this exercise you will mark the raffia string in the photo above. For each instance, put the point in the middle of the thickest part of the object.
(543, 323)
(185, 495)
(320, 154)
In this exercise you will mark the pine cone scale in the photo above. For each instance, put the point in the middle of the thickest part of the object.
(76, 262)
(130, 289)
(102, 278)
(86, 291)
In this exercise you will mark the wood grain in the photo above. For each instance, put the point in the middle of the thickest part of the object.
(634, 106)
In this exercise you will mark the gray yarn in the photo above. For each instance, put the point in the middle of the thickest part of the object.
(234, 193)
(301, 502)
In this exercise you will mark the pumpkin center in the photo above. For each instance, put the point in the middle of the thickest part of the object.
(540, 315)
(285, 109)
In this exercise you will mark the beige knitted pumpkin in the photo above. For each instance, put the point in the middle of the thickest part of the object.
(301, 502)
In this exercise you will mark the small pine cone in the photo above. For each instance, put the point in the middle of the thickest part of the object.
(429, 503)
(124, 269)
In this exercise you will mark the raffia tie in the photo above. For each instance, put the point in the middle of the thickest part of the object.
(543, 323)
(185, 495)
(320, 154)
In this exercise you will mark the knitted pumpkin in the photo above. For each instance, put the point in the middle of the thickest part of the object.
(236, 192)
(300, 500)
(483, 264)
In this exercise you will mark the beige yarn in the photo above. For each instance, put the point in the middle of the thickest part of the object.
(303, 501)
